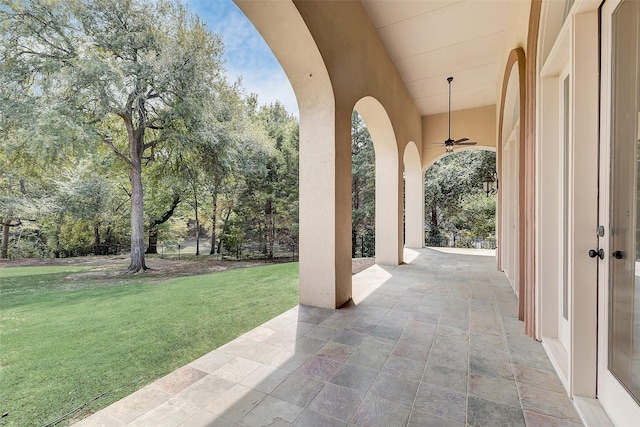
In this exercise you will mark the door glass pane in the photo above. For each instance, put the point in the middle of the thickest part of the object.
(624, 303)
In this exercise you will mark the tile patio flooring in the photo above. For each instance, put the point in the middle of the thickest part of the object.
(434, 342)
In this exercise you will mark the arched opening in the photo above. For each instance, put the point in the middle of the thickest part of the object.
(512, 209)
(388, 211)
(510, 153)
(324, 216)
(363, 190)
(458, 211)
(413, 198)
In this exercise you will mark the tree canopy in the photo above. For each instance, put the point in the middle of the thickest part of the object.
(119, 128)
(117, 100)
(455, 204)
(363, 191)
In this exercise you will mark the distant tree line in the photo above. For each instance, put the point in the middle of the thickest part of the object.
(119, 128)
(120, 132)
(457, 210)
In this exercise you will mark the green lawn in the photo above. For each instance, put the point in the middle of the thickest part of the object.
(65, 341)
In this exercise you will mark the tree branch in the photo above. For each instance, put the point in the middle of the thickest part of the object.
(125, 190)
(165, 217)
(109, 141)
(129, 107)
(151, 124)
(150, 144)
(9, 223)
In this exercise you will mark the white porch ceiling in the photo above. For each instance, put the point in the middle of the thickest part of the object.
(430, 40)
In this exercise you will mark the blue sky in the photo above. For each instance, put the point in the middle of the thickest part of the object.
(246, 53)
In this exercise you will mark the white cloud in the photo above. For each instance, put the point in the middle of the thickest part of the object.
(246, 53)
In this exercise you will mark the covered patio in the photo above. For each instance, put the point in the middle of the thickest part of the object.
(432, 342)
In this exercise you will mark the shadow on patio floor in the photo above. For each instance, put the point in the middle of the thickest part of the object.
(434, 342)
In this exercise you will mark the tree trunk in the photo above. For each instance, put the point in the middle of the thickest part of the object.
(5, 239)
(354, 242)
(214, 212)
(137, 227)
(270, 232)
(135, 135)
(153, 241)
(224, 227)
(6, 226)
(153, 225)
(108, 241)
(262, 236)
(96, 238)
(56, 251)
(197, 227)
(434, 217)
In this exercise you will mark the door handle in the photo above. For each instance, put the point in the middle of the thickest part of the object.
(618, 254)
(599, 253)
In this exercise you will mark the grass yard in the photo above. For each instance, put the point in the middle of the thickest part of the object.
(67, 337)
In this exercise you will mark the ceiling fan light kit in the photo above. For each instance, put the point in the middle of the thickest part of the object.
(450, 143)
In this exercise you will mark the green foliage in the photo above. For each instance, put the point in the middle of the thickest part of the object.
(267, 203)
(76, 238)
(68, 338)
(363, 183)
(477, 213)
(98, 96)
(232, 237)
(27, 242)
(132, 74)
(435, 237)
(455, 203)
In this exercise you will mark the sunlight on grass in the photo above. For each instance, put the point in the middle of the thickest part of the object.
(62, 345)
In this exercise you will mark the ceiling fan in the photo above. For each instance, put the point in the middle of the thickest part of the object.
(450, 143)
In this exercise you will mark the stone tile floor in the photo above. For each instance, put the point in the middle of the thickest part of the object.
(434, 342)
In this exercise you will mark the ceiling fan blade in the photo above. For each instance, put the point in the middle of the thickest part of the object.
(466, 143)
(457, 141)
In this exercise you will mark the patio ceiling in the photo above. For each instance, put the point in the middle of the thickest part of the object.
(432, 40)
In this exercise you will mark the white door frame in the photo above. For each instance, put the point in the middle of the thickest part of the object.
(616, 401)
(575, 47)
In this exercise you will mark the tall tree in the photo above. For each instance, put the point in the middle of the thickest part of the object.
(218, 149)
(363, 186)
(452, 189)
(87, 196)
(151, 65)
(165, 191)
(280, 204)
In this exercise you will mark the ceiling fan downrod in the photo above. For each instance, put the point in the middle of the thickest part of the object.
(449, 142)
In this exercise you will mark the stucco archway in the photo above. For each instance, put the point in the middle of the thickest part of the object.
(325, 219)
(334, 59)
(413, 197)
(511, 168)
(388, 170)
(439, 229)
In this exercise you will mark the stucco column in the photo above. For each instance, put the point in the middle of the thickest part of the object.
(413, 199)
(333, 57)
(388, 208)
(389, 185)
(325, 207)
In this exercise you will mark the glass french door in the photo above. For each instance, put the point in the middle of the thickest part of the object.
(619, 276)
(564, 333)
